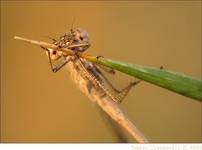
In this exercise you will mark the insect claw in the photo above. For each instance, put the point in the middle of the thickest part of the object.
(54, 70)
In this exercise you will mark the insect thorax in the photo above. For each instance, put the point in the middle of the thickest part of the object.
(76, 40)
(73, 39)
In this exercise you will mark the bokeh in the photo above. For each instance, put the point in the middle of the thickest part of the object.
(40, 106)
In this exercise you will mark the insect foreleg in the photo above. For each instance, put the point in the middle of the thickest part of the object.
(58, 67)
(49, 58)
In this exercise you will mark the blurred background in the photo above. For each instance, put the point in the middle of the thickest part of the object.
(40, 106)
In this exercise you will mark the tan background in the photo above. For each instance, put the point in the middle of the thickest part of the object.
(40, 106)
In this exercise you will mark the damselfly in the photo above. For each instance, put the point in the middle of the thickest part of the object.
(78, 41)
(88, 76)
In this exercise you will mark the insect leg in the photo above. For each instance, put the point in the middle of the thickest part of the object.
(106, 69)
(119, 95)
(56, 68)
(124, 92)
(49, 58)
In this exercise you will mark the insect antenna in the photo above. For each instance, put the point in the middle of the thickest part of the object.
(73, 21)
(54, 40)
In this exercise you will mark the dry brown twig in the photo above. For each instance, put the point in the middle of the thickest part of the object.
(109, 106)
